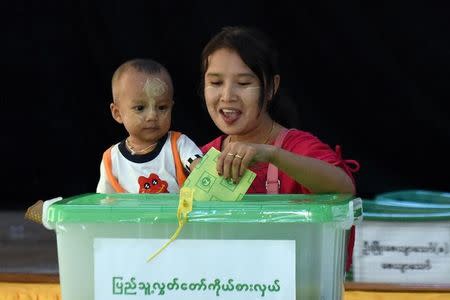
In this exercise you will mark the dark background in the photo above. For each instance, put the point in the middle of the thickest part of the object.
(372, 78)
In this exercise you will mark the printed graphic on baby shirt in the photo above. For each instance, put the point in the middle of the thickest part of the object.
(152, 184)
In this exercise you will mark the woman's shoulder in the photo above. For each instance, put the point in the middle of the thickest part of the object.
(216, 143)
(301, 140)
(295, 134)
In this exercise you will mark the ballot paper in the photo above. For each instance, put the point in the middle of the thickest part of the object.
(209, 186)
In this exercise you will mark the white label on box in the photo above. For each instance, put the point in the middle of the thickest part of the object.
(194, 269)
(402, 252)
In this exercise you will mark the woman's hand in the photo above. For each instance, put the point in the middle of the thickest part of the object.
(316, 175)
(236, 157)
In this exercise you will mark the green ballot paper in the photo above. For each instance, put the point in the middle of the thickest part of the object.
(208, 185)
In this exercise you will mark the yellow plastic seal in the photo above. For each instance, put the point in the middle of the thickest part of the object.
(184, 208)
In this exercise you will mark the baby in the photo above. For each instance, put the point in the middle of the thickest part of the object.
(151, 159)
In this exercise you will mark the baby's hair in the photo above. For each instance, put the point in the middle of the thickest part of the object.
(146, 66)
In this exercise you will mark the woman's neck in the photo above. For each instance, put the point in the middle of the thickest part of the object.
(263, 134)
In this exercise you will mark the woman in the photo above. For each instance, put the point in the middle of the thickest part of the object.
(241, 81)
(241, 84)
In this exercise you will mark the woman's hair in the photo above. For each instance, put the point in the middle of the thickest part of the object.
(259, 53)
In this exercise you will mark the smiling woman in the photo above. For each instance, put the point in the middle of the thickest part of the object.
(241, 81)
(228, 79)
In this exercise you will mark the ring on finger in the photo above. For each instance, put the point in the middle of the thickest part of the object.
(231, 154)
(238, 156)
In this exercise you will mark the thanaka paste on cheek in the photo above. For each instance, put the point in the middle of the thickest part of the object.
(242, 92)
(250, 91)
(211, 92)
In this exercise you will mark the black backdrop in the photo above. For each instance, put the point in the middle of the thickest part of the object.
(373, 79)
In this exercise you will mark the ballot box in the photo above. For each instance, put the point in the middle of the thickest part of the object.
(402, 244)
(263, 247)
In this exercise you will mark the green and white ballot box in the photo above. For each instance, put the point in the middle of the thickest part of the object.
(396, 243)
(263, 247)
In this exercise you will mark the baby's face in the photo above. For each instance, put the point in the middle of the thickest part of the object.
(143, 103)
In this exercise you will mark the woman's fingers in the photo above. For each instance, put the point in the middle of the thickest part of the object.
(236, 166)
(221, 161)
(234, 160)
(245, 162)
(227, 164)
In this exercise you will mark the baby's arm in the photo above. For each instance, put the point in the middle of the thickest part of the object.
(190, 154)
(103, 185)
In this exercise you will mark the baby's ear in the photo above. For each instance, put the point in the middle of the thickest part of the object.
(115, 112)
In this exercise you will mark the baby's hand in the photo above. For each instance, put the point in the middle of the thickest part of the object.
(237, 157)
(194, 163)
